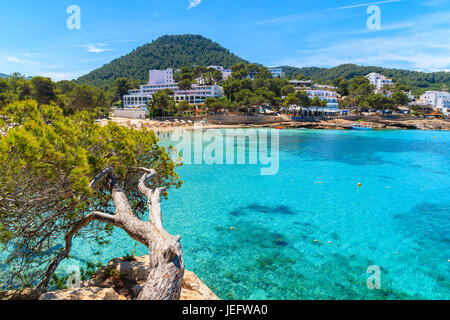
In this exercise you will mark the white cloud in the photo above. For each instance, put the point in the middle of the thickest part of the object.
(15, 59)
(194, 3)
(424, 51)
(95, 48)
(102, 46)
(421, 42)
(283, 19)
(366, 4)
(315, 14)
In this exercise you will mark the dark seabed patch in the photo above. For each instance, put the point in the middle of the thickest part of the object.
(426, 223)
(241, 211)
(428, 226)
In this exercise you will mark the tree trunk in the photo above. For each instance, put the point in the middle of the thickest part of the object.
(165, 254)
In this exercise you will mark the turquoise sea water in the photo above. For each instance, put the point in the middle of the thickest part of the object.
(398, 220)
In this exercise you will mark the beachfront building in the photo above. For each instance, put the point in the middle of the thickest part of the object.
(277, 72)
(435, 98)
(327, 95)
(443, 106)
(163, 79)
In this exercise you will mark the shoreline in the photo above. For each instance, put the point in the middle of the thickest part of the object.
(324, 124)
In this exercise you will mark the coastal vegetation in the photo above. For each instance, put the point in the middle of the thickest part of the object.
(162, 103)
(251, 86)
(358, 92)
(417, 81)
(69, 96)
(64, 176)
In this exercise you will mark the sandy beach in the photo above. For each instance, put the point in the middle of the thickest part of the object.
(157, 126)
(332, 124)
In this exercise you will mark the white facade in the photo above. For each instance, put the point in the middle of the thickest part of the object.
(433, 97)
(160, 76)
(379, 81)
(161, 80)
(330, 96)
(443, 105)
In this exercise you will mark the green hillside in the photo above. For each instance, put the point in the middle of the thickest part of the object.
(179, 51)
(418, 81)
(165, 52)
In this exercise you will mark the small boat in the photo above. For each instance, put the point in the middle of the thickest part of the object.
(361, 126)
(279, 128)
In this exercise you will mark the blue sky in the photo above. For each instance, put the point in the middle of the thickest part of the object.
(414, 34)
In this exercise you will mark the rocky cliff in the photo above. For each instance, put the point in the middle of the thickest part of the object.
(375, 123)
(121, 279)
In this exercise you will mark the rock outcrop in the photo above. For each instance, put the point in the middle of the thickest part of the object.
(377, 123)
(122, 279)
(195, 289)
(84, 294)
(27, 294)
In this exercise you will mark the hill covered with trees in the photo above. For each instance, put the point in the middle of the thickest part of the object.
(417, 81)
(166, 52)
(178, 51)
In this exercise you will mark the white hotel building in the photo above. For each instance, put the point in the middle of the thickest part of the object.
(380, 81)
(439, 100)
(329, 96)
(163, 79)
